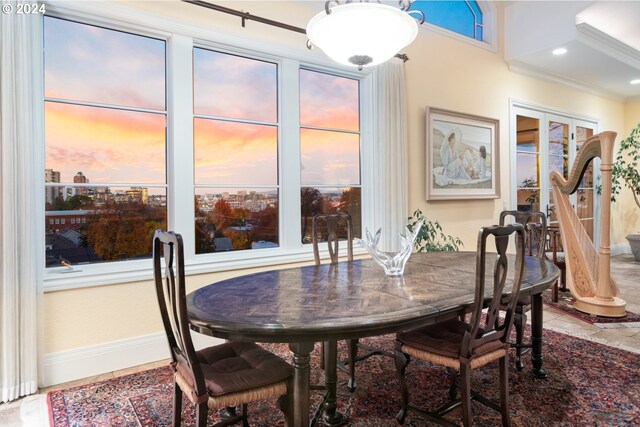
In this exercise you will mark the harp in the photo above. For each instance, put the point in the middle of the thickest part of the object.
(588, 269)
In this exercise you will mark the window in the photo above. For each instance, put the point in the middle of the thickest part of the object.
(105, 140)
(329, 148)
(236, 152)
(462, 17)
(222, 156)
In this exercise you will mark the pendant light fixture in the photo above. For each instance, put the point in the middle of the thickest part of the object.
(364, 33)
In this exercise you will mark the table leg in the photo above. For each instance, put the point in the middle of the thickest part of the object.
(331, 417)
(536, 337)
(301, 380)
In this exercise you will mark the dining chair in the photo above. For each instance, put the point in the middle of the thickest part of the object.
(555, 253)
(222, 376)
(331, 226)
(464, 345)
(535, 227)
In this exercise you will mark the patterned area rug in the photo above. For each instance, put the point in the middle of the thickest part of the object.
(589, 384)
(566, 304)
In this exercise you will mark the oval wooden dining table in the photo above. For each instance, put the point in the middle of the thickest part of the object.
(304, 305)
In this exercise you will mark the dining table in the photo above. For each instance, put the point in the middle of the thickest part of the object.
(348, 300)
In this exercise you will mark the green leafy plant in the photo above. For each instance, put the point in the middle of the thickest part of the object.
(431, 238)
(626, 166)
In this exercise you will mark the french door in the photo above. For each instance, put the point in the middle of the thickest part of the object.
(543, 142)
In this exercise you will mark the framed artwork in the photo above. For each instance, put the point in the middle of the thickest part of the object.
(462, 156)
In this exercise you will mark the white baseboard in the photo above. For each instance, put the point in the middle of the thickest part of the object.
(99, 359)
(620, 248)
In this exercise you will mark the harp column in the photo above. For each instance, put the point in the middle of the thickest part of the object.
(605, 303)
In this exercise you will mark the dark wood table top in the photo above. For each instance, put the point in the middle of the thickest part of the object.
(347, 300)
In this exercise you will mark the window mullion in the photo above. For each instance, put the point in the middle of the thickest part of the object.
(289, 154)
(180, 199)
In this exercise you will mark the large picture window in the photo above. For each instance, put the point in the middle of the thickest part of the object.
(232, 147)
(105, 143)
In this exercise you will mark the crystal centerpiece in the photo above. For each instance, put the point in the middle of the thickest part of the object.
(392, 262)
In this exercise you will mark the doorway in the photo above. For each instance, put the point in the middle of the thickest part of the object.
(543, 141)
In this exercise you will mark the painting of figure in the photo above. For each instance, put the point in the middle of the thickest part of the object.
(461, 156)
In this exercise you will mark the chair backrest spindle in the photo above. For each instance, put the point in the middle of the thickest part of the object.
(494, 327)
(332, 223)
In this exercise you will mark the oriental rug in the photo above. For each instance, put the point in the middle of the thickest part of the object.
(566, 304)
(588, 384)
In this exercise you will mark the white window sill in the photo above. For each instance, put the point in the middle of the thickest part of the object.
(85, 276)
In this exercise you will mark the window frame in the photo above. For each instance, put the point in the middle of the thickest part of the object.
(489, 28)
(180, 40)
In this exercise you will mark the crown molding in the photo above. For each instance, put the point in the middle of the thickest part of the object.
(529, 70)
(608, 45)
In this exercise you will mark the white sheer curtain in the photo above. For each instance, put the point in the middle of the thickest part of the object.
(392, 152)
(19, 132)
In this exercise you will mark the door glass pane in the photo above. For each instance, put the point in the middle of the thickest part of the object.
(558, 139)
(585, 194)
(558, 158)
(528, 163)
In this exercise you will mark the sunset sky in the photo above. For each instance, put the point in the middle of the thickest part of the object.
(109, 145)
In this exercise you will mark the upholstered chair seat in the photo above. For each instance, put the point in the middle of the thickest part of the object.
(236, 372)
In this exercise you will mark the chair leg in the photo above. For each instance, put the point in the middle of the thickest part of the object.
(243, 414)
(563, 277)
(465, 394)
(177, 405)
(453, 389)
(554, 292)
(285, 404)
(519, 320)
(202, 412)
(504, 392)
(353, 354)
(402, 360)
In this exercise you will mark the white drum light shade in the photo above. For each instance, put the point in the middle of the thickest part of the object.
(362, 34)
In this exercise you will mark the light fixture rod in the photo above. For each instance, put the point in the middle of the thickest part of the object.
(246, 16)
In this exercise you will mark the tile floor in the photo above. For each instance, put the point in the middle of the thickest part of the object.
(31, 411)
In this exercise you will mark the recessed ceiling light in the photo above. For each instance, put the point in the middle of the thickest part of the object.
(635, 82)
(559, 51)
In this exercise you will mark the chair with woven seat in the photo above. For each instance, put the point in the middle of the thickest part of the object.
(222, 376)
(535, 225)
(464, 346)
(330, 225)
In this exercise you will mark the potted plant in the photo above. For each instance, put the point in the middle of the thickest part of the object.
(431, 238)
(626, 171)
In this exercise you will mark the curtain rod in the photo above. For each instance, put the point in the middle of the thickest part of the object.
(246, 16)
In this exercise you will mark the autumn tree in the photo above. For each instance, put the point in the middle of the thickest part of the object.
(311, 204)
(222, 216)
(122, 230)
(266, 225)
(350, 202)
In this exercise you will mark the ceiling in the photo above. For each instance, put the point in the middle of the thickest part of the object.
(602, 39)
